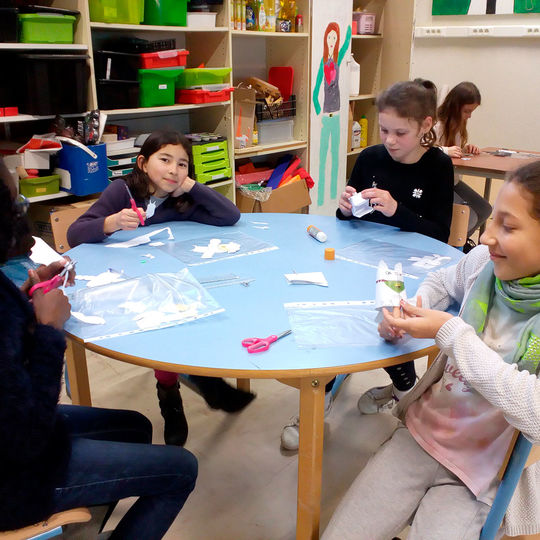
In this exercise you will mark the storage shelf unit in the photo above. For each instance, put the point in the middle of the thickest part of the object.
(384, 58)
(264, 149)
(253, 53)
(43, 47)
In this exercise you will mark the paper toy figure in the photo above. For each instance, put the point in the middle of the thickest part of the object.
(389, 287)
(360, 206)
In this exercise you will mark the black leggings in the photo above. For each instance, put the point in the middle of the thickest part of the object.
(403, 377)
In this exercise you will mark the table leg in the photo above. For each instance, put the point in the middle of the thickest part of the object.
(243, 384)
(78, 373)
(487, 195)
(310, 455)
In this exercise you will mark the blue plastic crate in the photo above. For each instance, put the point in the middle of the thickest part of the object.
(80, 173)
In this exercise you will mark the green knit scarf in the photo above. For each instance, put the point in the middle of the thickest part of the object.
(521, 295)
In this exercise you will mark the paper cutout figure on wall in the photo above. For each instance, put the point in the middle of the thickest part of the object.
(484, 7)
(328, 74)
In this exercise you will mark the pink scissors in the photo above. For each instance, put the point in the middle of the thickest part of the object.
(55, 282)
(255, 345)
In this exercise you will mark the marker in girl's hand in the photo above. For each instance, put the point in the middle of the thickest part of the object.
(134, 205)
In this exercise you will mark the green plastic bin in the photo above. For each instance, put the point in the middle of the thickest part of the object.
(157, 86)
(41, 28)
(117, 11)
(44, 185)
(199, 76)
(165, 12)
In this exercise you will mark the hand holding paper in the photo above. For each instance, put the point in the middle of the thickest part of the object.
(360, 206)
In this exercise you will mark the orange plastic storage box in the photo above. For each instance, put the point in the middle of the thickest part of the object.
(161, 59)
(202, 96)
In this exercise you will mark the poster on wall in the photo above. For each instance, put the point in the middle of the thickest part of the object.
(330, 49)
(484, 7)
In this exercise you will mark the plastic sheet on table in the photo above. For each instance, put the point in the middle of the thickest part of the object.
(254, 191)
(248, 245)
(333, 324)
(137, 305)
(414, 262)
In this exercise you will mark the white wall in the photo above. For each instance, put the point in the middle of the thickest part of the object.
(506, 70)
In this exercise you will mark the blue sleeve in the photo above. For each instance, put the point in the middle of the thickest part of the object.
(211, 207)
(88, 228)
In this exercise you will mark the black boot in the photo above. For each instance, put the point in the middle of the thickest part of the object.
(220, 395)
(172, 410)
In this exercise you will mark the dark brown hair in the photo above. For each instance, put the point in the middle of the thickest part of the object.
(138, 180)
(449, 113)
(528, 178)
(414, 100)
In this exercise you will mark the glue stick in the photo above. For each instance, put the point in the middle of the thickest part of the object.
(316, 233)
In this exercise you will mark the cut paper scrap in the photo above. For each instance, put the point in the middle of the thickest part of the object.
(215, 246)
(142, 239)
(148, 255)
(307, 278)
(156, 244)
(88, 319)
(110, 276)
(42, 253)
(429, 261)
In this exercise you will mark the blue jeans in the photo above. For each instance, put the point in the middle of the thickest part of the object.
(112, 458)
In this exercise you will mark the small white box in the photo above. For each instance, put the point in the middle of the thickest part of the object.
(275, 131)
(38, 159)
(196, 19)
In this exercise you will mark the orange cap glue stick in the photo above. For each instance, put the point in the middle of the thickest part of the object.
(317, 233)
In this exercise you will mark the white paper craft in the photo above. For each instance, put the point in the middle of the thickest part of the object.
(110, 276)
(88, 319)
(360, 206)
(215, 246)
(429, 261)
(307, 278)
(42, 253)
(389, 287)
(150, 209)
(139, 240)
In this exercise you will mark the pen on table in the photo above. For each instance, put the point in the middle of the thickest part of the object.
(134, 205)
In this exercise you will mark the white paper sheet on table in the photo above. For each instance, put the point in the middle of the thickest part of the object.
(307, 278)
(139, 240)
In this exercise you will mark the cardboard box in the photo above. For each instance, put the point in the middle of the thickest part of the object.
(291, 198)
(51, 222)
(244, 116)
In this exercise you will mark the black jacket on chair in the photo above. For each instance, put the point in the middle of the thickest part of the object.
(34, 446)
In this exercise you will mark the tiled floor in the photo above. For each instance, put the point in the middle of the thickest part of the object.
(246, 488)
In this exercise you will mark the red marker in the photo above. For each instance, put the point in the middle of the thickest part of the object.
(134, 206)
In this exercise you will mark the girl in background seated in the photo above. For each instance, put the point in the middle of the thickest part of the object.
(57, 457)
(451, 130)
(163, 191)
(439, 468)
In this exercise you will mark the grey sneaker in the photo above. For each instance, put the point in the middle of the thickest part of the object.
(377, 399)
(290, 434)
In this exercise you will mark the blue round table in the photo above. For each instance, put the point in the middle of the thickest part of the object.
(212, 345)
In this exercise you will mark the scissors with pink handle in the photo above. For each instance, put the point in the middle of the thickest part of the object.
(60, 280)
(255, 345)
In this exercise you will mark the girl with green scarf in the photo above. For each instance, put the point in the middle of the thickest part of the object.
(440, 465)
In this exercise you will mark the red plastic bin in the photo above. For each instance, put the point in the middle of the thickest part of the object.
(161, 59)
(202, 96)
